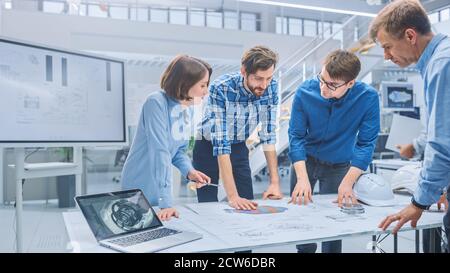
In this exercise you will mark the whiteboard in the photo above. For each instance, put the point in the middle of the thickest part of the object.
(137, 93)
(54, 96)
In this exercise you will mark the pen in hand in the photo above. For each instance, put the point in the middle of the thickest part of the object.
(206, 183)
(193, 183)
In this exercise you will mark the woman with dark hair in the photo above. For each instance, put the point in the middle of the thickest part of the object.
(163, 133)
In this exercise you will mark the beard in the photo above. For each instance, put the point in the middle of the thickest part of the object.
(257, 91)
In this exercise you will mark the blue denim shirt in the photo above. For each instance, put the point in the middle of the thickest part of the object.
(434, 66)
(334, 130)
(161, 138)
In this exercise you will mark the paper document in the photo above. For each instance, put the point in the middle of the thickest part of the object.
(403, 131)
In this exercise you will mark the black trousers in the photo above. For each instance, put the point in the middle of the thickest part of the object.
(204, 161)
(426, 243)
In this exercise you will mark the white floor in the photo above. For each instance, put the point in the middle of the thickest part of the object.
(44, 229)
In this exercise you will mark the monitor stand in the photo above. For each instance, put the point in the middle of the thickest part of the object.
(36, 170)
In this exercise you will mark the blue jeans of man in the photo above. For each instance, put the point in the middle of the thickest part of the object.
(330, 177)
(204, 161)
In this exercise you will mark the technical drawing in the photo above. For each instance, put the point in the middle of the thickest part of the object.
(259, 210)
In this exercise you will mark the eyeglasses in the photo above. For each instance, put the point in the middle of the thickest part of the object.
(330, 85)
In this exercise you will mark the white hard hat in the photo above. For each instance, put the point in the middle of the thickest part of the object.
(373, 190)
(406, 178)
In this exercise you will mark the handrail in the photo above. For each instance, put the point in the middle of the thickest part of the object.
(312, 51)
(320, 44)
(286, 61)
(300, 50)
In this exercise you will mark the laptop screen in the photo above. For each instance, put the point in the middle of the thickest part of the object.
(117, 213)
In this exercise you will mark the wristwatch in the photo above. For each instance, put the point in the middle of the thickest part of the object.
(419, 205)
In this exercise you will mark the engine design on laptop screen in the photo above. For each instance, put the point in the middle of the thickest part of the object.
(118, 213)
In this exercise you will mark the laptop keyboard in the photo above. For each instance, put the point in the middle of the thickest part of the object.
(143, 237)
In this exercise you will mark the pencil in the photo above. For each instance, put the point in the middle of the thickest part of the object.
(207, 184)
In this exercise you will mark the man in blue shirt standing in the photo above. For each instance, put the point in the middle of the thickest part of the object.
(403, 30)
(237, 103)
(333, 130)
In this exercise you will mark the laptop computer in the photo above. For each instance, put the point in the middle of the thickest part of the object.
(126, 222)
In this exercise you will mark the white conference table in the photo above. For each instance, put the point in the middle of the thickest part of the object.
(224, 230)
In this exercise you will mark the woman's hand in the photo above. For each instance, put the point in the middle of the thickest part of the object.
(199, 178)
(167, 213)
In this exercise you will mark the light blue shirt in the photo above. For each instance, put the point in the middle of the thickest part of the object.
(161, 138)
(434, 66)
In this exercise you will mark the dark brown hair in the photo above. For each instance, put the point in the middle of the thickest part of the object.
(398, 16)
(181, 74)
(258, 58)
(342, 65)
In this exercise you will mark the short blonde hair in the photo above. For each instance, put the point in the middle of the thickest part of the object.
(398, 16)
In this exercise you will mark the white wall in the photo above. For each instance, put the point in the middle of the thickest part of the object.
(443, 27)
(140, 39)
(105, 34)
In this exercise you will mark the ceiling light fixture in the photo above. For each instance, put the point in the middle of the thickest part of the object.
(308, 7)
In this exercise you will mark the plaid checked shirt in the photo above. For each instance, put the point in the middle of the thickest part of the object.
(233, 113)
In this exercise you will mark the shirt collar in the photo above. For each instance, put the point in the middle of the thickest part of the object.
(171, 102)
(341, 99)
(428, 52)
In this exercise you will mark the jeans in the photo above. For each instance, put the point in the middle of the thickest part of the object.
(330, 177)
(204, 161)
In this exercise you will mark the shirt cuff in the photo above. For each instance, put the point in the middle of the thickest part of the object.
(185, 169)
(417, 205)
(164, 204)
(223, 150)
(296, 156)
(271, 140)
(165, 198)
(425, 197)
(360, 164)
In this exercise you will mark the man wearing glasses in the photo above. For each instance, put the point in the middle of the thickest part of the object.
(333, 130)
